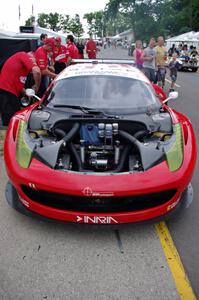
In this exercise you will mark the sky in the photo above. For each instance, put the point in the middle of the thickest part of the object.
(9, 13)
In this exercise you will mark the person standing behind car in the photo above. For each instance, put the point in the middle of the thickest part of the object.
(41, 55)
(137, 54)
(12, 80)
(161, 57)
(42, 38)
(149, 58)
(59, 56)
(91, 48)
(174, 65)
(71, 49)
(80, 47)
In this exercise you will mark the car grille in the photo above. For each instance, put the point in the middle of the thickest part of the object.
(97, 204)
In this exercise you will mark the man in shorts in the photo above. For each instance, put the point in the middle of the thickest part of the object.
(161, 56)
(173, 66)
(149, 60)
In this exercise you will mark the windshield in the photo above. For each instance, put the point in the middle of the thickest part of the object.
(103, 93)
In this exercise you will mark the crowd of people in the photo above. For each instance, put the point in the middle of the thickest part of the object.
(37, 69)
(153, 60)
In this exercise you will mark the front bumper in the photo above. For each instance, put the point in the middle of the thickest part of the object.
(42, 212)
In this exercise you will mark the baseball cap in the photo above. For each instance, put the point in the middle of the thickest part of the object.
(58, 39)
(49, 41)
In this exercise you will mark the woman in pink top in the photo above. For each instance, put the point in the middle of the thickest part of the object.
(137, 53)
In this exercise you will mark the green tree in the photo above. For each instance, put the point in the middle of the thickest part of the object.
(75, 26)
(51, 21)
(96, 23)
(30, 21)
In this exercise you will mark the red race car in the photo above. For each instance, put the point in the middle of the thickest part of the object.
(101, 148)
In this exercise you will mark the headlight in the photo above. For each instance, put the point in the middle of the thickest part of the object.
(174, 155)
(23, 151)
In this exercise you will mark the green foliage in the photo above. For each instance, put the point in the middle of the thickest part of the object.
(96, 23)
(57, 22)
(146, 17)
(75, 26)
(30, 21)
(153, 18)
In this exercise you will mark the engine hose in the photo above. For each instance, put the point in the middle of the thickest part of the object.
(122, 161)
(140, 134)
(67, 137)
(76, 156)
(131, 139)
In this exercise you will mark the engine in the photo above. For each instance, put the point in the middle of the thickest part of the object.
(99, 146)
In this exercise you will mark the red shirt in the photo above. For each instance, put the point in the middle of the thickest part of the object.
(59, 54)
(91, 49)
(14, 72)
(41, 58)
(72, 51)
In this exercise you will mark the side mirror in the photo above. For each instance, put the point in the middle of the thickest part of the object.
(31, 93)
(172, 96)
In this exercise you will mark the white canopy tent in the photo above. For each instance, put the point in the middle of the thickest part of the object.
(37, 32)
(52, 33)
(189, 38)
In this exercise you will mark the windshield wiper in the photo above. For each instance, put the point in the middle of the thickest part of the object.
(79, 107)
(85, 109)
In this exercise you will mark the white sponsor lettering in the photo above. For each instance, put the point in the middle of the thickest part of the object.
(60, 56)
(87, 191)
(24, 201)
(171, 206)
(22, 79)
(32, 186)
(96, 220)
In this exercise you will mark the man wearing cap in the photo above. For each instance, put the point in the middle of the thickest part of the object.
(59, 56)
(91, 48)
(71, 50)
(47, 71)
(12, 80)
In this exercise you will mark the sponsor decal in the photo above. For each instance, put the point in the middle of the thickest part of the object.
(22, 79)
(32, 186)
(96, 220)
(88, 192)
(24, 201)
(171, 206)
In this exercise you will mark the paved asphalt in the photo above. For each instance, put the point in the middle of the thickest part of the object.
(47, 260)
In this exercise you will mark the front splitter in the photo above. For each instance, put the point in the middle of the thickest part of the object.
(13, 200)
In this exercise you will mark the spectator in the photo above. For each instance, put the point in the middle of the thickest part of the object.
(172, 50)
(173, 66)
(91, 48)
(80, 47)
(12, 80)
(59, 56)
(161, 56)
(149, 58)
(137, 54)
(71, 50)
(43, 37)
(47, 71)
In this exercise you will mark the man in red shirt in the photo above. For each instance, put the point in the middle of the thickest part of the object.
(59, 56)
(71, 49)
(91, 48)
(42, 58)
(12, 80)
